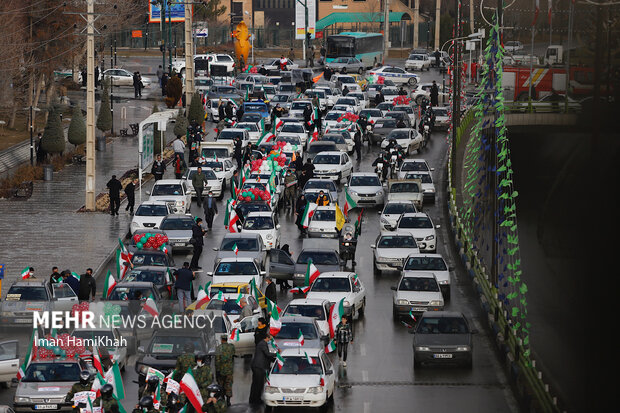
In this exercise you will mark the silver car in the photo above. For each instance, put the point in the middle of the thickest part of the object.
(391, 251)
(248, 245)
(292, 326)
(178, 229)
(352, 64)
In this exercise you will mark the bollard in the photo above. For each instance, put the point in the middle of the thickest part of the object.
(48, 172)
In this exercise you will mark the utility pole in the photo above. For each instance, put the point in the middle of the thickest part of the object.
(169, 37)
(189, 55)
(386, 30)
(306, 39)
(90, 106)
(471, 15)
(416, 22)
(456, 74)
(437, 26)
(162, 21)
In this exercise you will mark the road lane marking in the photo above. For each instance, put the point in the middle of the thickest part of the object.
(364, 375)
(367, 407)
(363, 350)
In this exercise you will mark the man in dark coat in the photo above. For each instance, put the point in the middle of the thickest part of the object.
(221, 112)
(96, 77)
(270, 290)
(434, 94)
(136, 85)
(379, 98)
(210, 209)
(260, 363)
(183, 285)
(70, 280)
(130, 192)
(357, 140)
(237, 152)
(198, 242)
(300, 207)
(229, 110)
(87, 286)
(437, 57)
(158, 169)
(309, 168)
(114, 186)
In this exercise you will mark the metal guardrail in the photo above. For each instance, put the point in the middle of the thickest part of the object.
(14, 156)
(532, 390)
(542, 107)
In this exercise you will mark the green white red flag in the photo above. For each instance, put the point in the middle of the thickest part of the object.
(123, 262)
(97, 360)
(349, 203)
(113, 376)
(277, 122)
(274, 324)
(335, 314)
(234, 334)
(202, 298)
(108, 285)
(310, 359)
(191, 390)
(32, 349)
(300, 339)
(279, 359)
(308, 212)
(312, 273)
(26, 273)
(150, 306)
(331, 346)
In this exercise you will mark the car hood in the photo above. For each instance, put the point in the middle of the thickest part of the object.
(366, 189)
(43, 390)
(418, 295)
(148, 220)
(167, 198)
(295, 381)
(395, 252)
(179, 233)
(162, 362)
(442, 340)
(439, 275)
(221, 279)
(332, 297)
(323, 224)
(326, 167)
(416, 232)
(293, 343)
(392, 218)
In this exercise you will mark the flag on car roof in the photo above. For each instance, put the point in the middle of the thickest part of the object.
(312, 273)
(309, 359)
(279, 359)
(108, 285)
(349, 203)
(239, 297)
(189, 386)
(300, 338)
(235, 249)
(150, 306)
(232, 221)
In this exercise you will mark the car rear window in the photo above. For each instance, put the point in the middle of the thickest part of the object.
(26, 293)
(52, 372)
(318, 257)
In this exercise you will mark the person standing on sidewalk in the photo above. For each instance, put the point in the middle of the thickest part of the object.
(114, 186)
(136, 85)
(160, 74)
(183, 285)
(130, 192)
(344, 336)
(158, 169)
(197, 240)
(87, 286)
(179, 146)
(210, 209)
(179, 166)
(198, 182)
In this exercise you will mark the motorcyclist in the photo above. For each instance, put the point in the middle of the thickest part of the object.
(83, 385)
(382, 158)
(363, 122)
(400, 123)
(214, 402)
(391, 144)
(173, 405)
(146, 405)
(107, 401)
(151, 386)
(397, 150)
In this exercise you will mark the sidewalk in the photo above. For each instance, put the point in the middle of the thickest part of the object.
(46, 231)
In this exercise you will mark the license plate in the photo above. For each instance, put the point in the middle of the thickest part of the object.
(178, 244)
(442, 356)
(418, 309)
(293, 398)
(45, 406)
(326, 235)
(23, 320)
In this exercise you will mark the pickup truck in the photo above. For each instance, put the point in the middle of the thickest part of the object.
(220, 150)
(406, 190)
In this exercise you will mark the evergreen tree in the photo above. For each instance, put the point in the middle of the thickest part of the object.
(53, 140)
(77, 127)
(181, 124)
(196, 111)
(174, 90)
(104, 119)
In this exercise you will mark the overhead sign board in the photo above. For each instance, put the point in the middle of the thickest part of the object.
(176, 11)
(300, 18)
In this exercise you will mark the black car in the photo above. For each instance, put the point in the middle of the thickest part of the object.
(442, 337)
(150, 257)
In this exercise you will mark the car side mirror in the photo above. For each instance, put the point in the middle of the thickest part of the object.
(277, 226)
(373, 246)
(148, 192)
(451, 268)
(263, 273)
(437, 226)
(210, 273)
(393, 288)
(330, 371)
(432, 169)
(216, 249)
(141, 349)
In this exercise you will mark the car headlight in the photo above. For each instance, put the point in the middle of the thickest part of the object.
(6, 313)
(430, 237)
(347, 304)
(22, 399)
(402, 302)
(269, 236)
(444, 282)
(315, 390)
(379, 193)
(384, 221)
(352, 192)
(181, 203)
(435, 303)
(272, 389)
(463, 348)
(422, 348)
(299, 275)
(333, 171)
(430, 190)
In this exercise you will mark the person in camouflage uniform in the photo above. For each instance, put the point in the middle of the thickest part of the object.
(83, 385)
(185, 362)
(290, 191)
(107, 401)
(224, 363)
(214, 403)
(203, 374)
(146, 405)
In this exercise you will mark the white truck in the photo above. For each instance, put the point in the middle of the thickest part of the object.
(217, 150)
(406, 190)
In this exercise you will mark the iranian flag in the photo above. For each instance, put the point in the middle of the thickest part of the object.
(275, 324)
(239, 297)
(277, 122)
(267, 136)
(279, 359)
(97, 360)
(349, 203)
(300, 290)
(32, 350)
(191, 390)
(262, 124)
(98, 383)
(234, 334)
(308, 212)
(202, 298)
(232, 221)
(315, 136)
(26, 273)
(122, 246)
(310, 359)
(331, 346)
(536, 12)
(113, 376)
(312, 273)
(109, 284)
(235, 249)
(123, 262)
(335, 314)
(220, 296)
(150, 306)
(75, 275)
(300, 339)
(411, 315)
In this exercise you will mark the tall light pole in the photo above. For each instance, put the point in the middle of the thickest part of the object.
(90, 106)
(437, 26)
(386, 29)
(189, 54)
(416, 22)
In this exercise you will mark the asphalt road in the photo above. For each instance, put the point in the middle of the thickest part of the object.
(380, 373)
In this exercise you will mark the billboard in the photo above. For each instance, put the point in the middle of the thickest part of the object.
(176, 10)
(300, 18)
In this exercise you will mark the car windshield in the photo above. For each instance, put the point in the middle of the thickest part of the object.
(203, 82)
(299, 105)
(347, 80)
(416, 57)
(337, 139)
(215, 153)
(414, 166)
(398, 134)
(251, 185)
(342, 108)
(406, 109)
(440, 112)
(174, 344)
(425, 178)
(167, 189)
(395, 115)
(252, 127)
(346, 101)
(230, 134)
(395, 241)
(426, 263)
(331, 284)
(236, 268)
(315, 311)
(318, 147)
(293, 140)
(404, 187)
(386, 124)
(365, 181)
(292, 127)
(442, 325)
(324, 159)
(398, 208)
(246, 208)
(312, 93)
(385, 106)
(318, 257)
(291, 330)
(389, 91)
(280, 98)
(415, 222)
(244, 244)
(418, 284)
(253, 107)
(52, 372)
(225, 89)
(298, 365)
(324, 215)
(177, 224)
(320, 184)
(26, 293)
(229, 306)
(145, 259)
(258, 223)
(121, 293)
(156, 277)
(374, 113)
(152, 211)
(287, 88)
(333, 115)
(251, 117)
(214, 165)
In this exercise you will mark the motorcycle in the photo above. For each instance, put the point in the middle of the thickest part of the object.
(393, 165)
(426, 134)
(379, 170)
(368, 134)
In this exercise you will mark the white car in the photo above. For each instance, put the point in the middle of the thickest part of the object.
(421, 227)
(418, 61)
(392, 212)
(224, 170)
(122, 77)
(296, 145)
(408, 138)
(434, 263)
(323, 222)
(372, 115)
(300, 382)
(331, 119)
(396, 75)
(229, 134)
(294, 129)
(9, 362)
(350, 101)
(335, 165)
(513, 46)
(338, 285)
(310, 307)
(262, 185)
(298, 107)
(149, 215)
(253, 130)
(320, 95)
(428, 187)
(442, 118)
(391, 251)
(211, 108)
(362, 98)
(408, 110)
(412, 165)
(406, 190)
(423, 90)
(315, 185)
(389, 94)
(238, 269)
(212, 184)
(269, 91)
(342, 80)
(174, 192)
(416, 294)
(343, 108)
(330, 94)
(365, 188)
(219, 59)
(266, 225)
